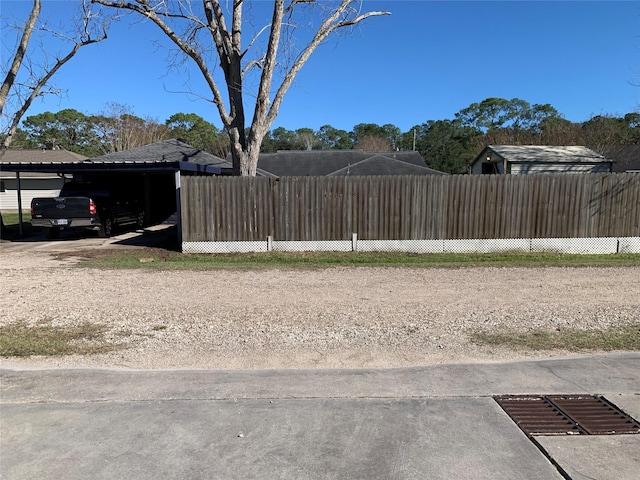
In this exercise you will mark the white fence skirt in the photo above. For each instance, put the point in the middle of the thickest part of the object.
(605, 245)
(629, 245)
(224, 247)
(575, 245)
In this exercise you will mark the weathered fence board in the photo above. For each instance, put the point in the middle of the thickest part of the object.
(218, 209)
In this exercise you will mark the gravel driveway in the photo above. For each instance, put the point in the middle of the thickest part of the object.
(340, 317)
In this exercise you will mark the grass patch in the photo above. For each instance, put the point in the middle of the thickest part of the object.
(22, 340)
(11, 225)
(150, 258)
(626, 338)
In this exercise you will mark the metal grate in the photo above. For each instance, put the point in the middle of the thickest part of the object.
(567, 415)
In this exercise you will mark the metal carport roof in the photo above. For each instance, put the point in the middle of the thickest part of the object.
(166, 156)
(169, 155)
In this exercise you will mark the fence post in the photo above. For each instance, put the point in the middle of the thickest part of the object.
(176, 177)
(354, 242)
(269, 243)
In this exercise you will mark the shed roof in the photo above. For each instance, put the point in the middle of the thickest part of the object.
(544, 154)
(166, 155)
(342, 162)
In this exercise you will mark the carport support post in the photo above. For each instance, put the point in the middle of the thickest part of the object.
(19, 204)
(147, 198)
(178, 209)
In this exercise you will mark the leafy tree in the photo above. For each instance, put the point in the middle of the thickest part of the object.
(68, 129)
(218, 26)
(496, 113)
(330, 138)
(362, 130)
(116, 130)
(24, 78)
(394, 135)
(633, 121)
(280, 139)
(194, 130)
(20, 140)
(447, 145)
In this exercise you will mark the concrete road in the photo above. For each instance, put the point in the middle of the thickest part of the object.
(437, 422)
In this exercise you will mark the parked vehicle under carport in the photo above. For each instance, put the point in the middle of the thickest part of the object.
(86, 205)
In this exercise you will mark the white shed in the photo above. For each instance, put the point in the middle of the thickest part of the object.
(526, 159)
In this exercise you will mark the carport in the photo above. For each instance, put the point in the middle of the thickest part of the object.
(156, 168)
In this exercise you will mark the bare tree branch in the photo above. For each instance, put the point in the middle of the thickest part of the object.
(20, 53)
(215, 18)
(36, 89)
(328, 26)
(143, 8)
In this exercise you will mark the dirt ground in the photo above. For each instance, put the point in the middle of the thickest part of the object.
(341, 317)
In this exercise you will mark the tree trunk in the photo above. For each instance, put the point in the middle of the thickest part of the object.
(245, 160)
(232, 54)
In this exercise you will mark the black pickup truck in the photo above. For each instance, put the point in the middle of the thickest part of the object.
(89, 206)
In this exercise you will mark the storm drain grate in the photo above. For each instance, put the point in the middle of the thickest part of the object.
(567, 415)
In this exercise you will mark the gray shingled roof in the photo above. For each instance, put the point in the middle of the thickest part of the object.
(168, 151)
(342, 162)
(46, 157)
(41, 156)
(626, 157)
(168, 154)
(544, 153)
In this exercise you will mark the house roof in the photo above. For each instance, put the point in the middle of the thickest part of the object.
(543, 154)
(45, 157)
(342, 162)
(51, 156)
(166, 155)
(626, 157)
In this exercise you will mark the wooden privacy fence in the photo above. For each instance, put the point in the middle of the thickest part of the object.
(227, 209)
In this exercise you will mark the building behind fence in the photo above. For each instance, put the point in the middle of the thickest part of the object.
(409, 208)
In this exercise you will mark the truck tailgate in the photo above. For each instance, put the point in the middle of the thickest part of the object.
(61, 207)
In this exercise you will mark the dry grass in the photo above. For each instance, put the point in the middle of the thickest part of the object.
(624, 338)
(23, 340)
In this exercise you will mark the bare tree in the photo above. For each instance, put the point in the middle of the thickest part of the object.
(372, 143)
(24, 93)
(307, 138)
(119, 129)
(197, 27)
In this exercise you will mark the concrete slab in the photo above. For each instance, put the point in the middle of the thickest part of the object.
(601, 457)
(164, 236)
(629, 404)
(436, 422)
(598, 374)
(288, 439)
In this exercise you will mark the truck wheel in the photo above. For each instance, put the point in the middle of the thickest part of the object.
(51, 232)
(106, 229)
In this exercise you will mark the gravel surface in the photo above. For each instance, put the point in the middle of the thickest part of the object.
(339, 317)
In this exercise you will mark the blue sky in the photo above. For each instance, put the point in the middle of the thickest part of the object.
(426, 61)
